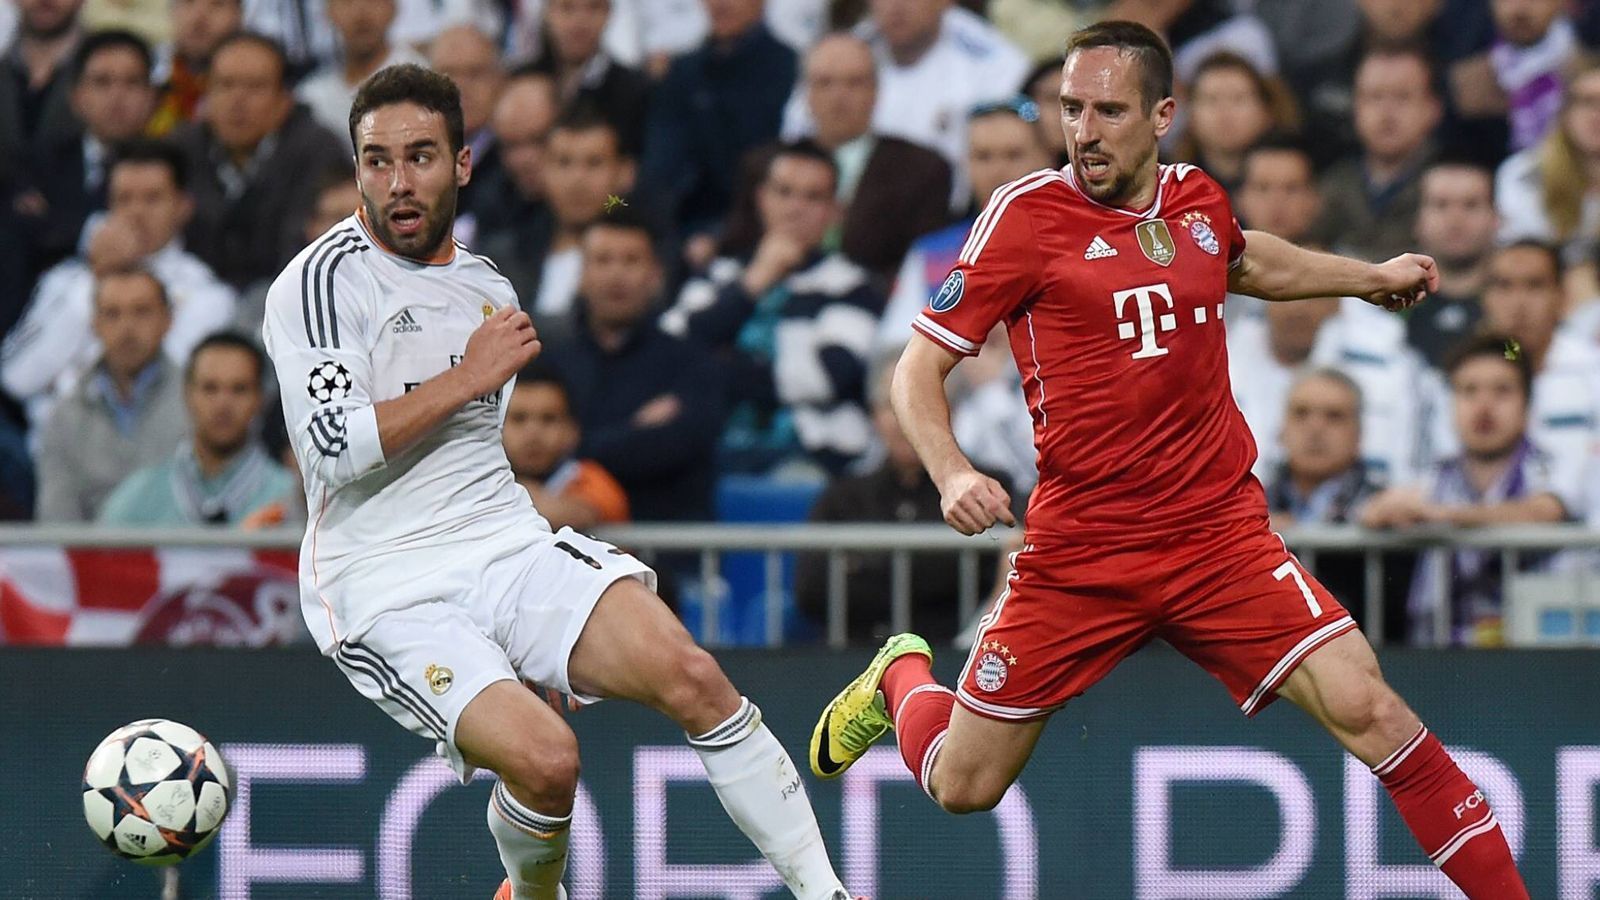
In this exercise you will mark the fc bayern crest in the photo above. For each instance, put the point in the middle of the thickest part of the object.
(1199, 225)
(992, 672)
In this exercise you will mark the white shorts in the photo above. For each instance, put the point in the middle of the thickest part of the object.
(423, 664)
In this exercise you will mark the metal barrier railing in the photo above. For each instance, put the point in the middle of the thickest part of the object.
(709, 542)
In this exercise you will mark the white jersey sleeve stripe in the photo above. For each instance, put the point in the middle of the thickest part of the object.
(321, 286)
(986, 224)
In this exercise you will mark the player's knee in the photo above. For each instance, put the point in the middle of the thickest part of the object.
(966, 792)
(697, 684)
(545, 772)
(1364, 704)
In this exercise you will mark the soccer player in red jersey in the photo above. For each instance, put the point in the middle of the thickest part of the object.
(1110, 276)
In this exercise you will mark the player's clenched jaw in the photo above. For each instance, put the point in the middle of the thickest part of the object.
(1111, 127)
(409, 178)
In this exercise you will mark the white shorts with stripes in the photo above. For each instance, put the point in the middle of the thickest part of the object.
(424, 663)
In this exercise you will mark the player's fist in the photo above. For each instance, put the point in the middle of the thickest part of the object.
(1404, 281)
(972, 501)
(501, 346)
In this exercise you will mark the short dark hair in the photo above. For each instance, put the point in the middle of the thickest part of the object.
(335, 175)
(149, 151)
(271, 45)
(1145, 46)
(227, 340)
(804, 148)
(137, 270)
(1550, 251)
(585, 116)
(1406, 50)
(542, 374)
(1282, 142)
(624, 217)
(1492, 346)
(411, 83)
(112, 39)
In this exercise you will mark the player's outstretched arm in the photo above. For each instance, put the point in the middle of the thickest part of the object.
(971, 500)
(1274, 269)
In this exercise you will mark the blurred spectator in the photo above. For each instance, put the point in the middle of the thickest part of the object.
(55, 342)
(1321, 479)
(1278, 190)
(990, 418)
(650, 405)
(1370, 201)
(571, 54)
(337, 196)
(1037, 26)
(222, 475)
(151, 20)
(1523, 298)
(125, 414)
(1360, 340)
(1552, 192)
(1231, 107)
(1456, 225)
(1534, 45)
(892, 191)
(793, 325)
(1198, 28)
(364, 48)
(935, 63)
(1500, 478)
(898, 491)
(641, 34)
(1002, 145)
(585, 174)
(35, 108)
(198, 28)
(1043, 87)
(514, 198)
(541, 437)
(470, 58)
(249, 157)
(111, 101)
(714, 104)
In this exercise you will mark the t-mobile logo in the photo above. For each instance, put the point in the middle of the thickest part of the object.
(1145, 330)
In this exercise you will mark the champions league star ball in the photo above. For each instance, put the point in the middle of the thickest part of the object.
(156, 792)
(328, 381)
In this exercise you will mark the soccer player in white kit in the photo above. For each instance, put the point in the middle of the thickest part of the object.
(425, 571)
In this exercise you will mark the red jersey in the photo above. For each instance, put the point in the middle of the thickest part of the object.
(1115, 321)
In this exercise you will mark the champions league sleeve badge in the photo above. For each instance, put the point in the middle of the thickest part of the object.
(1198, 224)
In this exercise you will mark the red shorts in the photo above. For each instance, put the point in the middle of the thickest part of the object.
(1232, 598)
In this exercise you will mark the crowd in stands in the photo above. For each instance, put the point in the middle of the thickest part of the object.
(723, 215)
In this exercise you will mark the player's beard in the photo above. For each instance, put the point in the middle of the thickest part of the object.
(1119, 191)
(438, 223)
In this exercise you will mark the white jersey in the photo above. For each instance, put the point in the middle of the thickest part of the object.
(349, 325)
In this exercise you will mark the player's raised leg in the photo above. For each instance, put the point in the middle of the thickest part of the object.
(962, 760)
(509, 730)
(633, 648)
(1341, 686)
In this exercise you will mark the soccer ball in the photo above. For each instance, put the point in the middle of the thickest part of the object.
(155, 792)
(329, 381)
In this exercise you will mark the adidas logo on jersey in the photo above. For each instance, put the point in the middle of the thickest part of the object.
(1099, 249)
(405, 323)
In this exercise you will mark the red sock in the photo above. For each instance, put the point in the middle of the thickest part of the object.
(920, 708)
(1450, 819)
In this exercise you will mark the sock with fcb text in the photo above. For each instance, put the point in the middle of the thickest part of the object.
(762, 791)
(920, 708)
(533, 846)
(1450, 818)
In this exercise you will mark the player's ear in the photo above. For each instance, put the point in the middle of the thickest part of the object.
(1162, 114)
(463, 166)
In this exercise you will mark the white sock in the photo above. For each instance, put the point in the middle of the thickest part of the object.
(759, 787)
(533, 846)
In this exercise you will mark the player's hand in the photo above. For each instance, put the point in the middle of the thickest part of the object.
(501, 346)
(972, 501)
(1404, 281)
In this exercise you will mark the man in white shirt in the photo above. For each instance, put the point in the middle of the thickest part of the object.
(425, 570)
(1265, 354)
(149, 207)
(935, 63)
(363, 27)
